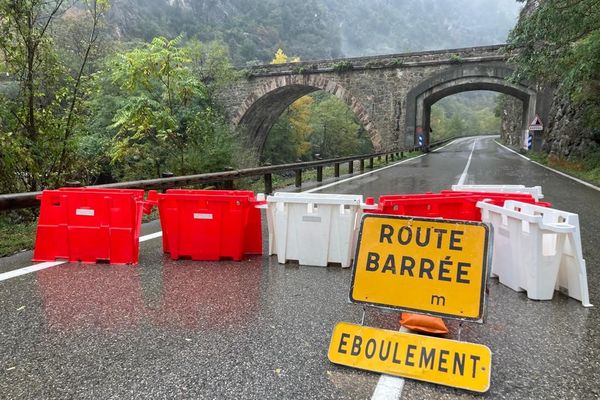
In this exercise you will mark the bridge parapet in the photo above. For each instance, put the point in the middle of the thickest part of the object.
(390, 95)
(417, 59)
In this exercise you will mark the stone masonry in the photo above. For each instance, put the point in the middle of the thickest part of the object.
(390, 95)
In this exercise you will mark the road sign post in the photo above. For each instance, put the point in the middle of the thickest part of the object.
(423, 265)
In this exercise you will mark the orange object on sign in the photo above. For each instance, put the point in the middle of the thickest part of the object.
(423, 323)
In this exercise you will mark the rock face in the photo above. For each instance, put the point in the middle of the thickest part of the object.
(511, 110)
(565, 132)
(567, 135)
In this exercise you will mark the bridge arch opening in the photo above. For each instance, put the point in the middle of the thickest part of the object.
(317, 125)
(261, 109)
(465, 113)
(457, 80)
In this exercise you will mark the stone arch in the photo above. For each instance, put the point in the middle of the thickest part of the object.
(264, 105)
(459, 79)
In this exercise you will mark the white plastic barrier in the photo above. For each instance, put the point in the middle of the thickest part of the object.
(315, 229)
(537, 249)
(535, 191)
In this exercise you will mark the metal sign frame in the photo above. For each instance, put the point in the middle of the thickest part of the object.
(486, 259)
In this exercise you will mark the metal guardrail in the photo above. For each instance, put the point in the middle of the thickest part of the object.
(15, 201)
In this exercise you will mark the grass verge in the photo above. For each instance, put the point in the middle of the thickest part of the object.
(17, 232)
(587, 168)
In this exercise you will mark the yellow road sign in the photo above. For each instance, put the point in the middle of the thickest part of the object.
(438, 267)
(431, 359)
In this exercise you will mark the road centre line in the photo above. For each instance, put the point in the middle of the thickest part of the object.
(463, 177)
(48, 264)
(389, 387)
(549, 168)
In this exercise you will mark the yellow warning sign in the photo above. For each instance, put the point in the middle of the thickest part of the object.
(438, 267)
(431, 359)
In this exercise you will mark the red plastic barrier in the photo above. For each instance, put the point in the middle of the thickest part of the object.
(89, 225)
(210, 224)
(446, 204)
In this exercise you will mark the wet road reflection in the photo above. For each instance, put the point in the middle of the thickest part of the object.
(209, 295)
(194, 296)
(102, 297)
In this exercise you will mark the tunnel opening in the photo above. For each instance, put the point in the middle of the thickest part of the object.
(450, 94)
(420, 121)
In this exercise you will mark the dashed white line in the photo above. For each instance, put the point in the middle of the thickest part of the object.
(49, 264)
(389, 387)
(461, 181)
(151, 236)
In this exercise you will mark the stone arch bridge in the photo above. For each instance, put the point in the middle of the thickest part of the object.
(390, 95)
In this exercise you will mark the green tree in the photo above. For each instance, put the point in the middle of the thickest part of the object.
(162, 114)
(336, 131)
(558, 42)
(289, 138)
(39, 117)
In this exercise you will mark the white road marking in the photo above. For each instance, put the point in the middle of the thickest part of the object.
(360, 175)
(151, 236)
(30, 269)
(461, 181)
(48, 264)
(389, 387)
(452, 142)
(551, 169)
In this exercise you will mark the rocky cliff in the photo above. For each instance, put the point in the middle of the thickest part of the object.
(566, 134)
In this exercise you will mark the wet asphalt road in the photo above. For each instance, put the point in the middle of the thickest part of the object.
(260, 330)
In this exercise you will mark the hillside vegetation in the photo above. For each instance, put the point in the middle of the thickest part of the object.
(99, 91)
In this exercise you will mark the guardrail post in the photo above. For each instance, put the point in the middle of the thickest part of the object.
(362, 165)
(371, 163)
(336, 170)
(298, 177)
(401, 154)
(268, 184)
(319, 174)
(351, 167)
(392, 156)
(386, 158)
(228, 184)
